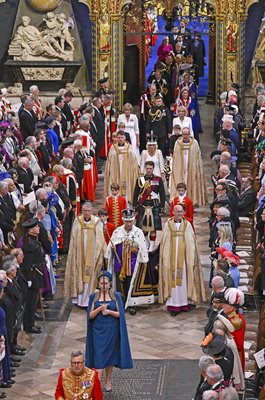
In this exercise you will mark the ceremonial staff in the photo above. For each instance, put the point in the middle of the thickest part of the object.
(111, 242)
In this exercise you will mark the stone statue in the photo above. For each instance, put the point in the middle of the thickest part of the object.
(232, 30)
(17, 89)
(54, 42)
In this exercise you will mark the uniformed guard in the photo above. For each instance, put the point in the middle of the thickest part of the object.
(149, 199)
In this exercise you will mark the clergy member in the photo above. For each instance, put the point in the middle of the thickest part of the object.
(180, 274)
(187, 168)
(121, 167)
(85, 257)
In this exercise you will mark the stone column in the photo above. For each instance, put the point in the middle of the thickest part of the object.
(116, 61)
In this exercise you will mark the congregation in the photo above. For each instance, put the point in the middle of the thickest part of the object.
(131, 253)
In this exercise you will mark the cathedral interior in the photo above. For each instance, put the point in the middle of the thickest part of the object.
(118, 41)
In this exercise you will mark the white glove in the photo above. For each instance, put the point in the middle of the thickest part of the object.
(29, 283)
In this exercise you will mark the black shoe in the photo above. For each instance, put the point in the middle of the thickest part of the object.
(14, 364)
(33, 330)
(15, 359)
(5, 385)
(21, 348)
(11, 382)
(45, 305)
(12, 374)
(37, 327)
(2, 396)
(173, 313)
(132, 310)
(17, 352)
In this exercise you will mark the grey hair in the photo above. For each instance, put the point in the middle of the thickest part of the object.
(260, 97)
(215, 372)
(32, 88)
(210, 395)
(78, 142)
(205, 362)
(3, 185)
(29, 139)
(223, 96)
(77, 354)
(8, 266)
(39, 191)
(87, 204)
(224, 212)
(66, 162)
(21, 161)
(28, 101)
(39, 209)
(229, 393)
(34, 204)
(218, 281)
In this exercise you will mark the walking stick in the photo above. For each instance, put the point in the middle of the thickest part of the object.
(42, 308)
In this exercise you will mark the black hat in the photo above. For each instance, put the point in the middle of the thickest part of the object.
(50, 119)
(216, 345)
(128, 214)
(30, 223)
(159, 96)
(103, 80)
(69, 140)
(235, 85)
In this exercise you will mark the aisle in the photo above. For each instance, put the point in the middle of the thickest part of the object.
(154, 334)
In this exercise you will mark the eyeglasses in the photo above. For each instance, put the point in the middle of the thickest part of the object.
(77, 362)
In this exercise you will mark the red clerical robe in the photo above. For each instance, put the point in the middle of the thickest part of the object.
(114, 206)
(78, 387)
(188, 205)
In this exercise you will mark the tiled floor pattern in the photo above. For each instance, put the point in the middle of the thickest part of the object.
(153, 333)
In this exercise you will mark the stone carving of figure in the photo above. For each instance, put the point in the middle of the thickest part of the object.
(104, 33)
(232, 30)
(29, 43)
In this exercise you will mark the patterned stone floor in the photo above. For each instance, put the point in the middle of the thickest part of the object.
(153, 333)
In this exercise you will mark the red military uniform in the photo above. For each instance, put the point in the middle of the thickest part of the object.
(239, 323)
(188, 205)
(114, 206)
(108, 230)
(78, 387)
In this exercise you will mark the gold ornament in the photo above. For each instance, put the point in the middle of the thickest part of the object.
(44, 6)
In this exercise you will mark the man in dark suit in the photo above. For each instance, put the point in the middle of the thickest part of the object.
(67, 110)
(204, 363)
(247, 198)
(7, 216)
(27, 119)
(25, 174)
(99, 123)
(59, 105)
(15, 295)
(197, 50)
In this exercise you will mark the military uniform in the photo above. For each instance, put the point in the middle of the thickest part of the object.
(149, 197)
(159, 121)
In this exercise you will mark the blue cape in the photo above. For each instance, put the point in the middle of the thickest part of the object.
(125, 358)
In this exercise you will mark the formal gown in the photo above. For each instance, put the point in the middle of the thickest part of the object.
(132, 127)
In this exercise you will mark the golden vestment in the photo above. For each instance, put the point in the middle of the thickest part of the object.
(83, 267)
(171, 262)
(196, 189)
(125, 178)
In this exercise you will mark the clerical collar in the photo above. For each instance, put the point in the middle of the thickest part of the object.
(87, 220)
(177, 222)
(121, 145)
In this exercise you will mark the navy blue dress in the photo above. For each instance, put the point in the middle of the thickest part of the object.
(106, 337)
(5, 361)
(107, 341)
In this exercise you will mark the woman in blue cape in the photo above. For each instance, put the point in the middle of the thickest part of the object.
(107, 343)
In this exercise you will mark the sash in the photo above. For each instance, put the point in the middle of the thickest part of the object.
(175, 276)
(124, 153)
(87, 259)
(78, 387)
